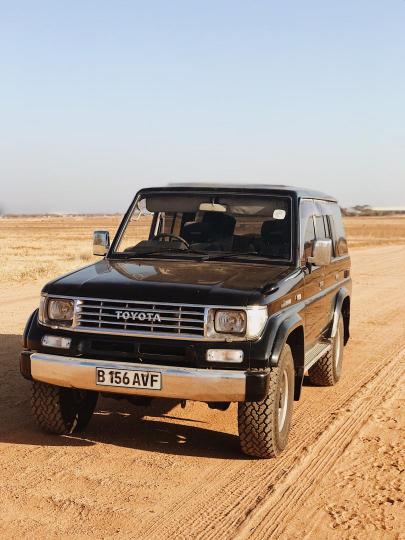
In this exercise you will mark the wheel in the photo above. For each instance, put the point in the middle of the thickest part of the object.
(327, 371)
(61, 410)
(264, 425)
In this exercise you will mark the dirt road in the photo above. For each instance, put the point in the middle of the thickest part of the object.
(168, 472)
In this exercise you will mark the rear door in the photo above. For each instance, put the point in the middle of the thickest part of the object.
(337, 271)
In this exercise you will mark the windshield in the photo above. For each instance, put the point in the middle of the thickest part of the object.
(208, 226)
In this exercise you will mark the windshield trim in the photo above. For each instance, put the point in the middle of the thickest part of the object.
(123, 225)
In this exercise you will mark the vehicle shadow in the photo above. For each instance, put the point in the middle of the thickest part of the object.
(160, 427)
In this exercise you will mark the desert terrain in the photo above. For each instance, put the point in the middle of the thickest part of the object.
(167, 472)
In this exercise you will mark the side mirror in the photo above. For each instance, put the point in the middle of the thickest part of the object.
(321, 252)
(101, 242)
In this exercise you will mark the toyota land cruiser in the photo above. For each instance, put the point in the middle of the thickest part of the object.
(213, 293)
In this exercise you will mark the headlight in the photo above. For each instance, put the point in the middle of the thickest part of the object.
(246, 323)
(58, 311)
(230, 322)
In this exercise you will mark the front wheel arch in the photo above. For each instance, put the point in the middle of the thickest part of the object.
(291, 333)
(295, 340)
(346, 318)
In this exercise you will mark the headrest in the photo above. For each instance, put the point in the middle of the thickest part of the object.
(197, 231)
(224, 224)
(214, 226)
(273, 226)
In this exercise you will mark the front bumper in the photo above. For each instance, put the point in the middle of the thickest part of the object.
(177, 382)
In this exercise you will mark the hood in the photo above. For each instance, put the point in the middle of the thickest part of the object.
(192, 282)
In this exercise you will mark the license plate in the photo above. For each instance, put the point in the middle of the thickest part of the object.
(151, 380)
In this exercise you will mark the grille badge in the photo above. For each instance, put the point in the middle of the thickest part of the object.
(138, 316)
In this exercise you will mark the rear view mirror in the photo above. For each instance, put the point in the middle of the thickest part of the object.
(101, 242)
(212, 207)
(279, 214)
(321, 252)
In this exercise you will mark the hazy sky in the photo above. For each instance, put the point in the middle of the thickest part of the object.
(99, 98)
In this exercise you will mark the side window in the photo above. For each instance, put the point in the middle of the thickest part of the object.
(323, 222)
(320, 228)
(307, 231)
(338, 230)
(328, 226)
(309, 238)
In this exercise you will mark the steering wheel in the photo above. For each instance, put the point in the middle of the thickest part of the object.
(173, 236)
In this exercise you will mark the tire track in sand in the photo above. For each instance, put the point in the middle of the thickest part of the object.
(278, 508)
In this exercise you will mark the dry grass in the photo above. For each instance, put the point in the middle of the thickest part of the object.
(375, 230)
(44, 247)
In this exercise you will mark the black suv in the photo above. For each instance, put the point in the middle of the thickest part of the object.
(212, 293)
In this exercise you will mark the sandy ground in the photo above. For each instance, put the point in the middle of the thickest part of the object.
(361, 496)
(168, 472)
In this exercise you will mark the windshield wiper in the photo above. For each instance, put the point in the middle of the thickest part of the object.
(233, 254)
(136, 255)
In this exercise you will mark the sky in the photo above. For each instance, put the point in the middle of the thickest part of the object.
(101, 98)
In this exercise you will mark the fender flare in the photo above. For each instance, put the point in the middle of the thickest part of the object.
(282, 332)
(340, 297)
(28, 325)
(290, 323)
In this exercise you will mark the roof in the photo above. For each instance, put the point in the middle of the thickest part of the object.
(243, 188)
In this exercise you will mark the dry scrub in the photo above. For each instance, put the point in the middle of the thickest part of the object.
(375, 230)
(45, 247)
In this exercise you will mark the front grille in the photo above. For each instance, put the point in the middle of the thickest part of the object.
(140, 318)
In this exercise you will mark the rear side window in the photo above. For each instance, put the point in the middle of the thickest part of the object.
(338, 231)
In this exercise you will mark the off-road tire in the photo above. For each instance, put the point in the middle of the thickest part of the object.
(61, 410)
(258, 421)
(327, 371)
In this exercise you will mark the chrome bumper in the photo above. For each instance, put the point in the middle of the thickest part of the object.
(177, 382)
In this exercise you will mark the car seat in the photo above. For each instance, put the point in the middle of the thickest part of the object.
(275, 238)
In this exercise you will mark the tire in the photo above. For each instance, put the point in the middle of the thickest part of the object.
(264, 425)
(61, 410)
(327, 371)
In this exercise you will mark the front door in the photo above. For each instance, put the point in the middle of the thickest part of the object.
(314, 284)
